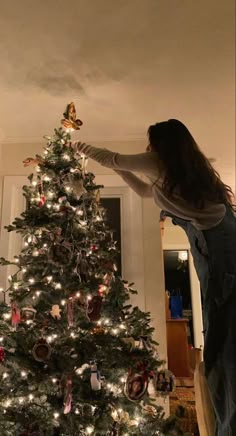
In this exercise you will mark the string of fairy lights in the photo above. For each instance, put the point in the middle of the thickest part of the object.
(32, 286)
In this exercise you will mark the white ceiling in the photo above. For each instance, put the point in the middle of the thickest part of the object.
(125, 63)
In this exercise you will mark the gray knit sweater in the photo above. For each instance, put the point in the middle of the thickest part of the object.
(147, 164)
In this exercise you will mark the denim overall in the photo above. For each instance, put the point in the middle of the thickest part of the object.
(214, 256)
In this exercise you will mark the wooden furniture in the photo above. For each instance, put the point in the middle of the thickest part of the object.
(204, 408)
(177, 347)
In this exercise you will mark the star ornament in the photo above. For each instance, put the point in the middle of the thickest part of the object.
(69, 121)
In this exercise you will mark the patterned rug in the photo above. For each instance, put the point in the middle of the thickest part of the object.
(182, 404)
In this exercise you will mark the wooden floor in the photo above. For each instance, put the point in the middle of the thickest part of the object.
(182, 404)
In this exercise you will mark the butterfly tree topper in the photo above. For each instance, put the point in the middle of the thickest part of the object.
(69, 121)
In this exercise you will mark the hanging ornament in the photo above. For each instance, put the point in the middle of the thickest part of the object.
(94, 308)
(145, 343)
(28, 313)
(42, 200)
(15, 315)
(69, 121)
(82, 266)
(164, 382)
(56, 311)
(149, 410)
(2, 354)
(70, 315)
(68, 397)
(94, 247)
(95, 378)
(98, 196)
(41, 350)
(32, 161)
(136, 386)
(78, 188)
(61, 252)
(107, 279)
(120, 416)
(83, 163)
(103, 290)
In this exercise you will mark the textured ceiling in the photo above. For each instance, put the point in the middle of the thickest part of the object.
(125, 63)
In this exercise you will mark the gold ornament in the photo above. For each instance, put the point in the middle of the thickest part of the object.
(69, 121)
(56, 311)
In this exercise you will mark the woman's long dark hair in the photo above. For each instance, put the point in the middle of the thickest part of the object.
(185, 169)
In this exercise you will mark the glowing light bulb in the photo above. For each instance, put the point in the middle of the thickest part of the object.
(58, 286)
(1, 338)
(49, 278)
(6, 316)
(56, 415)
(79, 212)
(1, 289)
(49, 205)
(34, 183)
(122, 380)
(89, 297)
(72, 334)
(54, 380)
(23, 374)
(107, 321)
(31, 280)
(15, 286)
(78, 294)
(89, 430)
(7, 403)
(21, 400)
(24, 270)
(63, 302)
(46, 178)
(5, 375)
(38, 293)
(68, 188)
(115, 331)
(77, 411)
(50, 194)
(31, 397)
(17, 260)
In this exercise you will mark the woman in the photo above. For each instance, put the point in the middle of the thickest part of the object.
(184, 184)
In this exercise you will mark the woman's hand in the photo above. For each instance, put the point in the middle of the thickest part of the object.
(78, 147)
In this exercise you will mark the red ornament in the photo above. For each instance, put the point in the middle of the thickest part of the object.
(15, 315)
(2, 354)
(42, 200)
(94, 247)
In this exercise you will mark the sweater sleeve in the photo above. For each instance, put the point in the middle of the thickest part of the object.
(141, 188)
(145, 163)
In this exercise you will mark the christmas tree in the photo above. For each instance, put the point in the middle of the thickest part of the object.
(76, 357)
